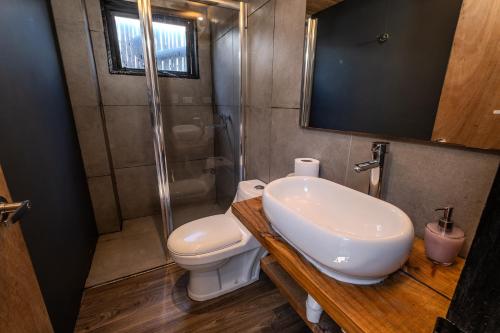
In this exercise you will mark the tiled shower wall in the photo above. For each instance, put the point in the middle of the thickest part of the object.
(113, 121)
(419, 177)
(225, 55)
(81, 78)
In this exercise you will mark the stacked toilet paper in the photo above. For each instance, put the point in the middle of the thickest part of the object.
(305, 166)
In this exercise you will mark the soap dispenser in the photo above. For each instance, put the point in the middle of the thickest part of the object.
(443, 240)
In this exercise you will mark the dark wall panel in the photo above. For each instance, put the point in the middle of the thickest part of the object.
(390, 88)
(40, 155)
(476, 303)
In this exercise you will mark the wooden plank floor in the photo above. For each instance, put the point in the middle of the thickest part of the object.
(157, 302)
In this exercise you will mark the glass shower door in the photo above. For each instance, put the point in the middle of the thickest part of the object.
(200, 106)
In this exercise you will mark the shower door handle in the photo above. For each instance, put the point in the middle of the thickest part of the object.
(12, 212)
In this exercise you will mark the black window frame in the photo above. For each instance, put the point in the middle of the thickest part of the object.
(112, 8)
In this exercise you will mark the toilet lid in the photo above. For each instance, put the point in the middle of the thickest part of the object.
(204, 235)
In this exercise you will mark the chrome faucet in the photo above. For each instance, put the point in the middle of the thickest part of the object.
(376, 167)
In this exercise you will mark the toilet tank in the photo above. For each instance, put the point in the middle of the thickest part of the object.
(249, 189)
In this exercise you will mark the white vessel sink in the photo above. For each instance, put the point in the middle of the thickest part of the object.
(346, 234)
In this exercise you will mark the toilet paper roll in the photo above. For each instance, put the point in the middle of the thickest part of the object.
(306, 167)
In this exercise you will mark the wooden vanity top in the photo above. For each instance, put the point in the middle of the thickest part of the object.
(408, 301)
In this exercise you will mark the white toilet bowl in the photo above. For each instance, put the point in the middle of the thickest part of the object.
(220, 254)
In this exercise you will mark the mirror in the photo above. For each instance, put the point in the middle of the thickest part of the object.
(377, 66)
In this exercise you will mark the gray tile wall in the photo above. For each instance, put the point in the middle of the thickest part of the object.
(419, 177)
(260, 81)
(104, 202)
(225, 48)
(80, 72)
(127, 119)
(112, 116)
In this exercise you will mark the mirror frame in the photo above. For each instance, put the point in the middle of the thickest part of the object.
(308, 71)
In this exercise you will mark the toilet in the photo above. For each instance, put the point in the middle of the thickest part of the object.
(220, 254)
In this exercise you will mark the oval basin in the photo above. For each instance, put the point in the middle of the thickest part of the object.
(346, 234)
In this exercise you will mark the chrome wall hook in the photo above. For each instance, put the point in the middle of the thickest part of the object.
(382, 38)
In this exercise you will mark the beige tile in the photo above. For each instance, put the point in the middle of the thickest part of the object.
(260, 56)
(68, 11)
(116, 89)
(288, 52)
(104, 204)
(130, 135)
(289, 141)
(421, 177)
(78, 63)
(137, 191)
(94, 15)
(91, 138)
(258, 136)
(135, 249)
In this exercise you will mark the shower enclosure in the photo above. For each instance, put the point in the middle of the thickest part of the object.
(196, 104)
(155, 90)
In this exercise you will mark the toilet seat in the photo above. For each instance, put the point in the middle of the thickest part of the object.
(225, 242)
(205, 235)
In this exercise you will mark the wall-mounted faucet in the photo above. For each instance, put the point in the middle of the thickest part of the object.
(376, 167)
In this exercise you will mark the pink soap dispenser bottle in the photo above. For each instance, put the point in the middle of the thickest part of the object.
(443, 240)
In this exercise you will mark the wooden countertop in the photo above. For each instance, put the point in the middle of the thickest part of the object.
(408, 301)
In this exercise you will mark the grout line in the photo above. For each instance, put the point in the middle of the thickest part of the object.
(102, 114)
(348, 160)
(174, 162)
(166, 104)
(99, 176)
(134, 166)
(285, 107)
(272, 88)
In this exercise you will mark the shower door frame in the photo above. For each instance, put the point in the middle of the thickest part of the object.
(150, 69)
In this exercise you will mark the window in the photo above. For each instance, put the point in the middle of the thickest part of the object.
(175, 41)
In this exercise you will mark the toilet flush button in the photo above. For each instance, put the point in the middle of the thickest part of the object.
(259, 187)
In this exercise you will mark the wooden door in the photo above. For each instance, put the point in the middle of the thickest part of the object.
(21, 304)
(469, 109)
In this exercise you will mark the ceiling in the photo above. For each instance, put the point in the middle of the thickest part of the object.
(314, 6)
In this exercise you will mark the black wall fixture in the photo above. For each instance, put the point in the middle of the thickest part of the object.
(380, 65)
(40, 156)
(475, 306)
